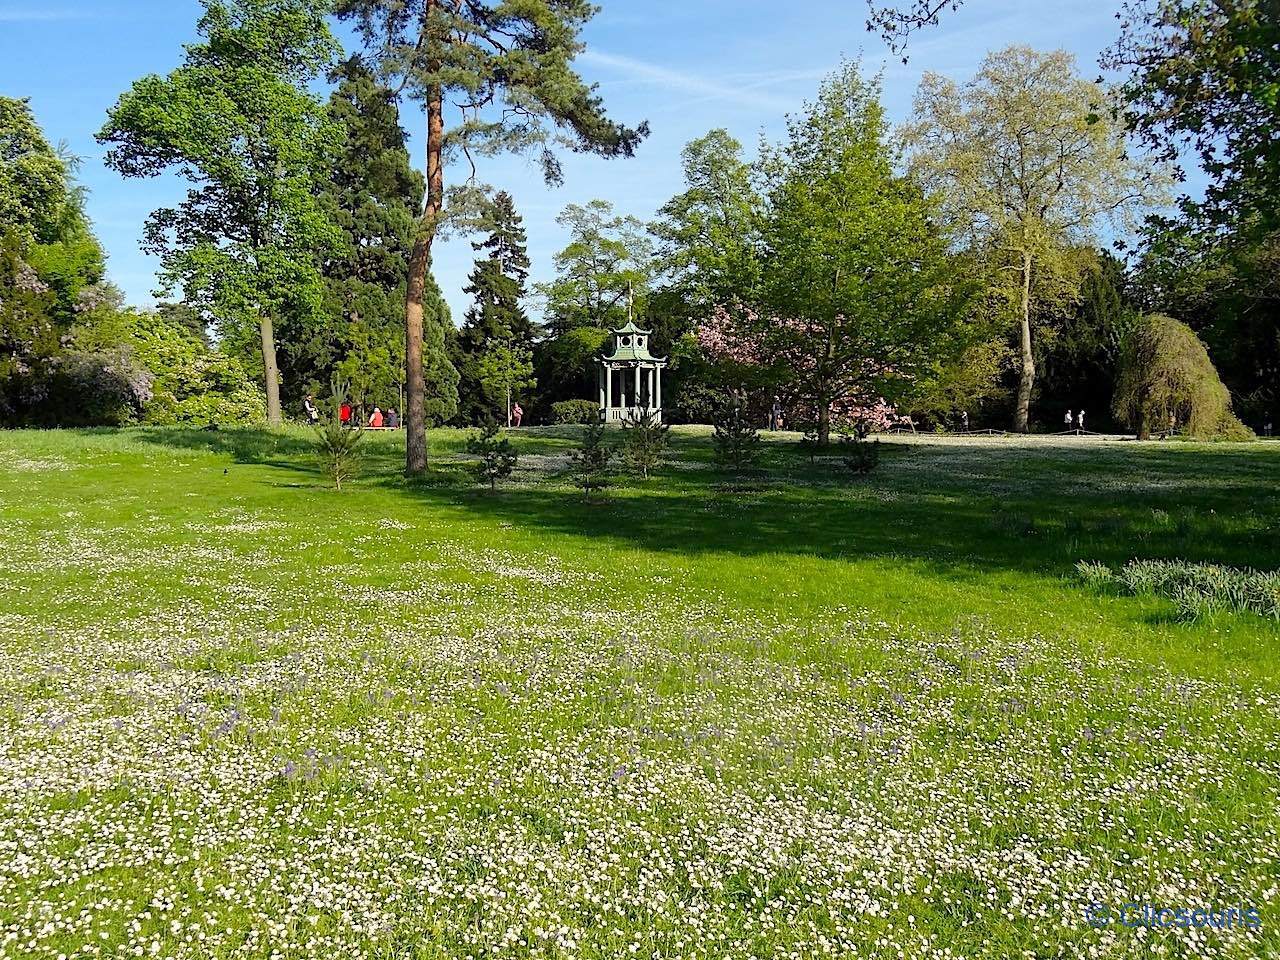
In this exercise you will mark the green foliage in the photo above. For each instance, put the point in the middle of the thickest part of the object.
(516, 59)
(1196, 589)
(1202, 81)
(1078, 347)
(604, 272)
(591, 460)
(707, 233)
(736, 441)
(565, 365)
(371, 193)
(859, 455)
(1166, 377)
(509, 69)
(1026, 161)
(493, 350)
(34, 180)
(1228, 290)
(338, 446)
(51, 271)
(497, 455)
(644, 441)
(504, 370)
(575, 411)
(191, 384)
(835, 312)
(238, 121)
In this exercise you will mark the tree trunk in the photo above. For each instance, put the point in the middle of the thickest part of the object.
(824, 420)
(271, 369)
(415, 412)
(1027, 375)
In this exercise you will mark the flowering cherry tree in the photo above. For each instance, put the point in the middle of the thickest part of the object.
(778, 349)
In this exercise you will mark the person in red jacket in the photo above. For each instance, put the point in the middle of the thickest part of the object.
(344, 414)
(375, 421)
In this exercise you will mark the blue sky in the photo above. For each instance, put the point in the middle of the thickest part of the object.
(686, 66)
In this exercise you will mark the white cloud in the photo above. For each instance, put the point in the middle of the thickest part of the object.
(698, 87)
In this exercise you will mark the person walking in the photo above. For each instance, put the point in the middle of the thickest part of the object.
(309, 407)
(775, 414)
(1069, 420)
(344, 414)
(517, 414)
(964, 421)
(1080, 419)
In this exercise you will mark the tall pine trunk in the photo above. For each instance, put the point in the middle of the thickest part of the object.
(271, 369)
(415, 414)
(1027, 374)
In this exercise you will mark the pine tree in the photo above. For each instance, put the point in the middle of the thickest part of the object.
(644, 441)
(497, 455)
(591, 460)
(736, 440)
(508, 68)
(496, 321)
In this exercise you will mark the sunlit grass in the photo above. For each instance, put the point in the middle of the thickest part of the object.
(795, 714)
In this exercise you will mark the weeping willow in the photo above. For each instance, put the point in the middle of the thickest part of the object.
(1167, 378)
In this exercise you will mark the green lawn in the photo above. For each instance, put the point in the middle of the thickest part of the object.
(243, 715)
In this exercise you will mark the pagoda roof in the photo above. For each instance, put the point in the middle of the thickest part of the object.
(631, 343)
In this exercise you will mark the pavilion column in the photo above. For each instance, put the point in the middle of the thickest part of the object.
(602, 382)
(657, 389)
(636, 399)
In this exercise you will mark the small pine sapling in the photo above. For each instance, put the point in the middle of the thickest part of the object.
(497, 456)
(338, 446)
(644, 441)
(736, 440)
(591, 460)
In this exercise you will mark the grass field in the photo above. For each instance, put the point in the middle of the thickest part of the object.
(242, 715)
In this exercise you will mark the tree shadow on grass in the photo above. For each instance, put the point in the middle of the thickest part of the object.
(975, 505)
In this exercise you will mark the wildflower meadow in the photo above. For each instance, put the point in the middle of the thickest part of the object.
(798, 714)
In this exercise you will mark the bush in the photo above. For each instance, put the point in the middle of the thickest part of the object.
(497, 456)
(736, 440)
(575, 411)
(1196, 589)
(644, 440)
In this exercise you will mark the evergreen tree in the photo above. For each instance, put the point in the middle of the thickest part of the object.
(497, 321)
(591, 460)
(508, 67)
(370, 195)
(497, 456)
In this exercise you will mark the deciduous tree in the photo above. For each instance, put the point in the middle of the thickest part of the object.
(1026, 158)
(605, 272)
(238, 121)
(857, 297)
